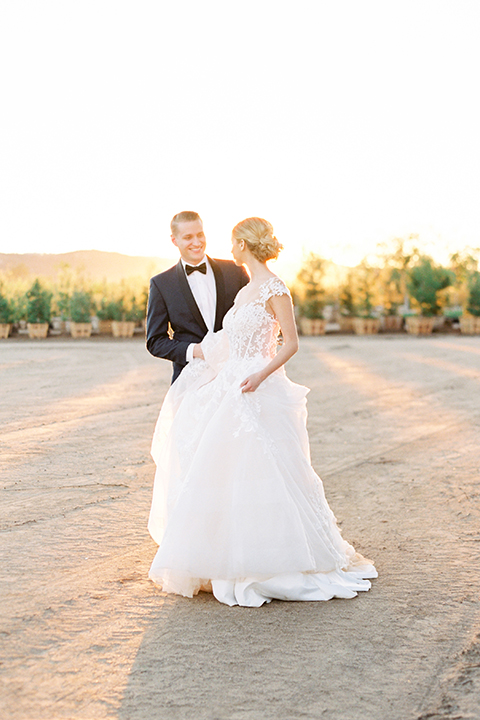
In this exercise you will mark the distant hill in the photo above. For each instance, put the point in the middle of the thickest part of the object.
(94, 264)
(113, 267)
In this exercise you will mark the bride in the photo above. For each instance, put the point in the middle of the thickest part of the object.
(237, 508)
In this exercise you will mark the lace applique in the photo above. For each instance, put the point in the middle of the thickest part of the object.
(247, 411)
(194, 369)
(273, 286)
(252, 336)
(251, 329)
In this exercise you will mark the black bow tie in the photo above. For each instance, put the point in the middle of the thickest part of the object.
(201, 268)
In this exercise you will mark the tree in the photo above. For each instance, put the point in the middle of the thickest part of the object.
(81, 306)
(7, 310)
(463, 264)
(366, 280)
(474, 294)
(396, 258)
(310, 278)
(425, 281)
(345, 297)
(39, 303)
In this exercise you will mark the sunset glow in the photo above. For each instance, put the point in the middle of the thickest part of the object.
(343, 124)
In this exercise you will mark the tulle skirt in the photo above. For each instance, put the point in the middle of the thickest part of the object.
(237, 508)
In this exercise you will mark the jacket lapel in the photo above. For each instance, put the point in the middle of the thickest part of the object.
(220, 283)
(185, 288)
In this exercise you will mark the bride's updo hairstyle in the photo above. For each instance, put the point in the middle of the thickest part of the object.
(258, 236)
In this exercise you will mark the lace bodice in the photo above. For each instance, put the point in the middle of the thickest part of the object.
(252, 331)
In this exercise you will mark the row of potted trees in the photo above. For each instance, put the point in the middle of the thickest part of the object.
(372, 297)
(367, 297)
(117, 316)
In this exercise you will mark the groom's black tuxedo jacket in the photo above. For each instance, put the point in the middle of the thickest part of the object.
(171, 302)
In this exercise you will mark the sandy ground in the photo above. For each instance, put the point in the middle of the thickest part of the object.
(395, 435)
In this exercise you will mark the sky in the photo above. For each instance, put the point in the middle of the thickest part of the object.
(344, 123)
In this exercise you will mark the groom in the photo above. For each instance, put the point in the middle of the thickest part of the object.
(191, 298)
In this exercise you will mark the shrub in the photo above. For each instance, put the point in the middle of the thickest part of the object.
(135, 311)
(110, 310)
(474, 294)
(312, 292)
(425, 281)
(39, 302)
(345, 298)
(366, 279)
(81, 306)
(7, 309)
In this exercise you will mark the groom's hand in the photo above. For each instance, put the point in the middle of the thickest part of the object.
(198, 352)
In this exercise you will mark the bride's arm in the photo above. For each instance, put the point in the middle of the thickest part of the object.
(280, 306)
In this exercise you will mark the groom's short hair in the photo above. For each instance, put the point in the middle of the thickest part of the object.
(185, 216)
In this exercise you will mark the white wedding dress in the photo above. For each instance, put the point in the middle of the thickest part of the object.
(237, 508)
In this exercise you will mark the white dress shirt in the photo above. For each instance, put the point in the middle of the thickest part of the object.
(204, 290)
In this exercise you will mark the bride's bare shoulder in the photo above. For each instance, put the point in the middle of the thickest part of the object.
(241, 293)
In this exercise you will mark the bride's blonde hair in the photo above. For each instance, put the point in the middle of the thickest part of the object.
(258, 236)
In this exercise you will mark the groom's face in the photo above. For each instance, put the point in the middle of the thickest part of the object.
(190, 240)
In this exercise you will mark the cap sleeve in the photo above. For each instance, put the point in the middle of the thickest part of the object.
(272, 287)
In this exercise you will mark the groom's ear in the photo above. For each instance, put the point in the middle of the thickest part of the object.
(174, 240)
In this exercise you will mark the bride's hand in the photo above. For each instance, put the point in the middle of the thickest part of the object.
(251, 383)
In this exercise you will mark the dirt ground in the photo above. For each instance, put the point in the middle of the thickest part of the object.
(394, 427)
